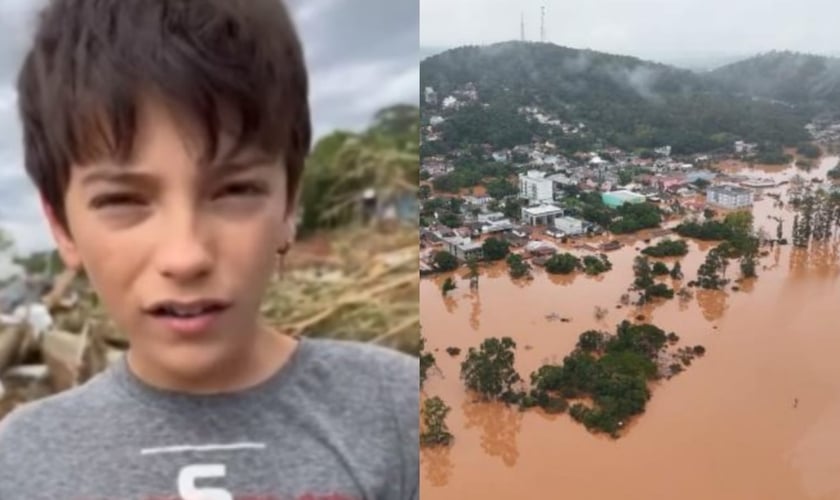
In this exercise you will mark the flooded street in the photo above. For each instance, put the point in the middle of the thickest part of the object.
(726, 428)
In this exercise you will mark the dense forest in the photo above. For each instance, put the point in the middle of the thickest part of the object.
(622, 101)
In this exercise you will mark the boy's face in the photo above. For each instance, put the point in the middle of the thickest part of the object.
(179, 253)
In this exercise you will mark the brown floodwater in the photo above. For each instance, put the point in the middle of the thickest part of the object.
(726, 428)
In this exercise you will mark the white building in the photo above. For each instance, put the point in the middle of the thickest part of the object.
(745, 147)
(496, 226)
(450, 102)
(729, 196)
(501, 155)
(663, 151)
(491, 217)
(562, 179)
(541, 215)
(464, 248)
(436, 120)
(536, 187)
(569, 226)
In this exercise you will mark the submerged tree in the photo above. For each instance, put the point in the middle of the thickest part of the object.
(435, 432)
(517, 267)
(448, 285)
(676, 272)
(489, 370)
(710, 273)
(472, 265)
(427, 360)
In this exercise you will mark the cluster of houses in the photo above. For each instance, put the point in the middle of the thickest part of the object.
(541, 192)
(546, 176)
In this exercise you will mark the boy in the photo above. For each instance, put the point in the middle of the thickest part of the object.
(167, 138)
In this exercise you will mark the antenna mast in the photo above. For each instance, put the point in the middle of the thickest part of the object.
(542, 23)
(522, 26)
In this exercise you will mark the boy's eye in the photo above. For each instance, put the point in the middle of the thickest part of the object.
(116, 200)
(242, 189)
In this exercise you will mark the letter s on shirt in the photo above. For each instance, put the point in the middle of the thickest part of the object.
(188, 476)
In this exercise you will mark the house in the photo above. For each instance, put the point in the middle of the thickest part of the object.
(562, 179)
(541, 215)
(570, 226)
(663, 151)
(491, 217)
(503, 155)
(442, 232)
(494, 222)
(742, 147)
(610, 246)
(540, 249)
(521, 232)
(669, 182)
(496, 226)
(436, 120)
(536, 187)
(615, 199)
(464, 248)
(730, 197)
(477, 201)
(696, 175)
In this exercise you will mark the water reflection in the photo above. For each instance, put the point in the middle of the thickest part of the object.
(496, 270)
(562, 279)
(475, 310)
(437, 464)
(499, 426)
(450, 303)
(712, 303)
(747, 285)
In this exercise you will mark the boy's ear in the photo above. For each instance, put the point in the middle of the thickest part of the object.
(290, 220)
(290, 224)
(66, 247)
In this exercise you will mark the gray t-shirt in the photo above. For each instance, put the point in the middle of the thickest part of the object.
(338, 422)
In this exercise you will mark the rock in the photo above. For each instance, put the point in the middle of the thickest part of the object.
(453, 351)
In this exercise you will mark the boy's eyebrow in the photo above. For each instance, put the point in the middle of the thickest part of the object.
(112, 176)
(239, 164)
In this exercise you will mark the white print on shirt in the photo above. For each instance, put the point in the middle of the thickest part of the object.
(188, 476)
(202, 447)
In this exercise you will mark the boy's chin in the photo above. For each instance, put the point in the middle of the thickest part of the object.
(194, 364)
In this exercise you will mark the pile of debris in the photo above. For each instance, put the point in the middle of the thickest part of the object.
(52, 337)
(366, 287)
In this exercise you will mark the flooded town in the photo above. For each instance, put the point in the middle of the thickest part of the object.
(566, 255)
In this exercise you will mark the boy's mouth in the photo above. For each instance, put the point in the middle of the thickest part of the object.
(187, 309)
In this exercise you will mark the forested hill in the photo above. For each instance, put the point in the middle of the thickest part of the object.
(805, 80)
(622, 101)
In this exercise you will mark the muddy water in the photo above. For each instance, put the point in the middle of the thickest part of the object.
(724, 429)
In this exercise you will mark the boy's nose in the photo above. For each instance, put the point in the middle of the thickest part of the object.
(183, 254)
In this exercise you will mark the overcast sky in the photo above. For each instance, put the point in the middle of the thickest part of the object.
(671, 30)
(362, 56)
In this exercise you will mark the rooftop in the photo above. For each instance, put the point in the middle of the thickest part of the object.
(542, 210)
(727, 189)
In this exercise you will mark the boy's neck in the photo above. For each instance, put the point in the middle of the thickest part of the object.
(257, 362)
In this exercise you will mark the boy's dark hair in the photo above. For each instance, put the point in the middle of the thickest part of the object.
(231, 65)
